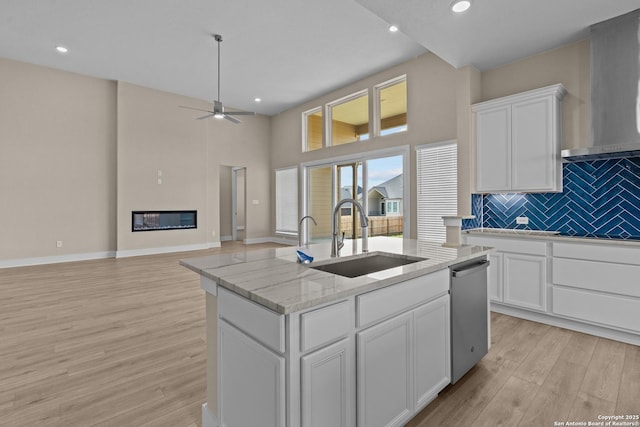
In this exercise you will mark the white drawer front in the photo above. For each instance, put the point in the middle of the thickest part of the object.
(522, 246)
(256, 321)
(324, 325)
(379, 304)
(621, 279)
(609, 310)
(598, 252)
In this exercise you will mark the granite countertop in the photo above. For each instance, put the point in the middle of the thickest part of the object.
(273, 278)
(550, 236)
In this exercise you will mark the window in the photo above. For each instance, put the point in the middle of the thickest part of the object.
(312, 128)
(391, 98)
(287, 201)
(437, 188)
(349, 118)
(370, 178)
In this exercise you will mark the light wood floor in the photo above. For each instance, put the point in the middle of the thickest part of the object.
(121, 343)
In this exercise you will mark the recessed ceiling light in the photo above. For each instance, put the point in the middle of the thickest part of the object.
(460, 6)
(393, 28)
(258, 100)
(62, 49)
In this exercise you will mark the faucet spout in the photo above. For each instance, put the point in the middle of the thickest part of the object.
(364, 223)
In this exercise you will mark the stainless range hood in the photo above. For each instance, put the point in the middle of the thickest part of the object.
(615, 94)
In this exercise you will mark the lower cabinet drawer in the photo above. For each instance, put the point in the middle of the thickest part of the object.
(603, 309)
(598, 276)
(323, 325)
(379, 304)
(261, 324)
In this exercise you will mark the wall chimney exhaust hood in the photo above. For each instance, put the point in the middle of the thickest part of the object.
(615, 91)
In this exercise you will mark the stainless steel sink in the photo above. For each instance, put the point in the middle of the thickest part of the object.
(367, 264)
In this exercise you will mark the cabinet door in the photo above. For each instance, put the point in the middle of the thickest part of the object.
(432, 350)
(384, 373)
(534, 151)
(327, 387)
(251, 381)
(493, 149)
(525, 281)
(495, 277)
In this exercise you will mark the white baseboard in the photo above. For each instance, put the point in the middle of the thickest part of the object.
(574, 325)
(208, 420)
(284, 240)
(23, 262)
(270, 239)
(164, 250)
(226, 238)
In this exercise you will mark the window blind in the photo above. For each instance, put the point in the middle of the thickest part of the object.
(287, 200)
(437, 188)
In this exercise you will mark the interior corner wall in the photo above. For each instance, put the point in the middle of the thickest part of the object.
(245, 145)
(431, 117)
(161, 166)
(57, 164)
(568, 65)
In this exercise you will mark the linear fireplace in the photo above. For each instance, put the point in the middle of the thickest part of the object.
(163, 220)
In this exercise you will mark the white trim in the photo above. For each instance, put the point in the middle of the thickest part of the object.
(283, 240)
(164, 250)
(376, 129)
(226, 238)
(328, 129)
(365, 155)
(258, 240)
(401, 150)
(24, 262)
(305, 128)
(561, 322)
(208, 419)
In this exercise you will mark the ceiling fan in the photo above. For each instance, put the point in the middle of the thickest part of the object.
(218, 110)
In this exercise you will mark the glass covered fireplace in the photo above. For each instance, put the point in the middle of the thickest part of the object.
(163, 220)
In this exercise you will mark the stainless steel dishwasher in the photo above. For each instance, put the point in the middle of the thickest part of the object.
(469, 323)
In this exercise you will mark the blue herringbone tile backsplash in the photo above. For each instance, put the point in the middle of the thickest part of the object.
(600, 198)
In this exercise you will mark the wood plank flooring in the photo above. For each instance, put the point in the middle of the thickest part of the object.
(120, 342)
(536, 375)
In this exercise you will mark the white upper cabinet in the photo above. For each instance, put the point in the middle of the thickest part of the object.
(518, 142)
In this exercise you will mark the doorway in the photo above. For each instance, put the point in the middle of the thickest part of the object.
(232, 203)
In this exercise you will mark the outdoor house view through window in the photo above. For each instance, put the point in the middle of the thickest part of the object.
(381, 195)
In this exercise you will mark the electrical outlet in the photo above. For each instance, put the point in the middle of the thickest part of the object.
(522, 220)
(255, 202)
(159, 181)
(59, 244)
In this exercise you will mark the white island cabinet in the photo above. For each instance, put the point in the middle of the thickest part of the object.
(314, 349)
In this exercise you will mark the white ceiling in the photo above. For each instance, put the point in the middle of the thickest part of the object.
(283, 51)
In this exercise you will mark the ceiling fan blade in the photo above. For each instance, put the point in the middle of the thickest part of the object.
(240, 113)
(231, 119)
(197, 109)
(205, 116)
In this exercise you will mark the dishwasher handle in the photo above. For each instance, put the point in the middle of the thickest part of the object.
(470, 269)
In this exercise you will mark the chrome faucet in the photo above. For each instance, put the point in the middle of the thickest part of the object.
(300, 228)
(364, 223)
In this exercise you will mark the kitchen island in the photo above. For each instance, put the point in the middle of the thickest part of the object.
(285, 341)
